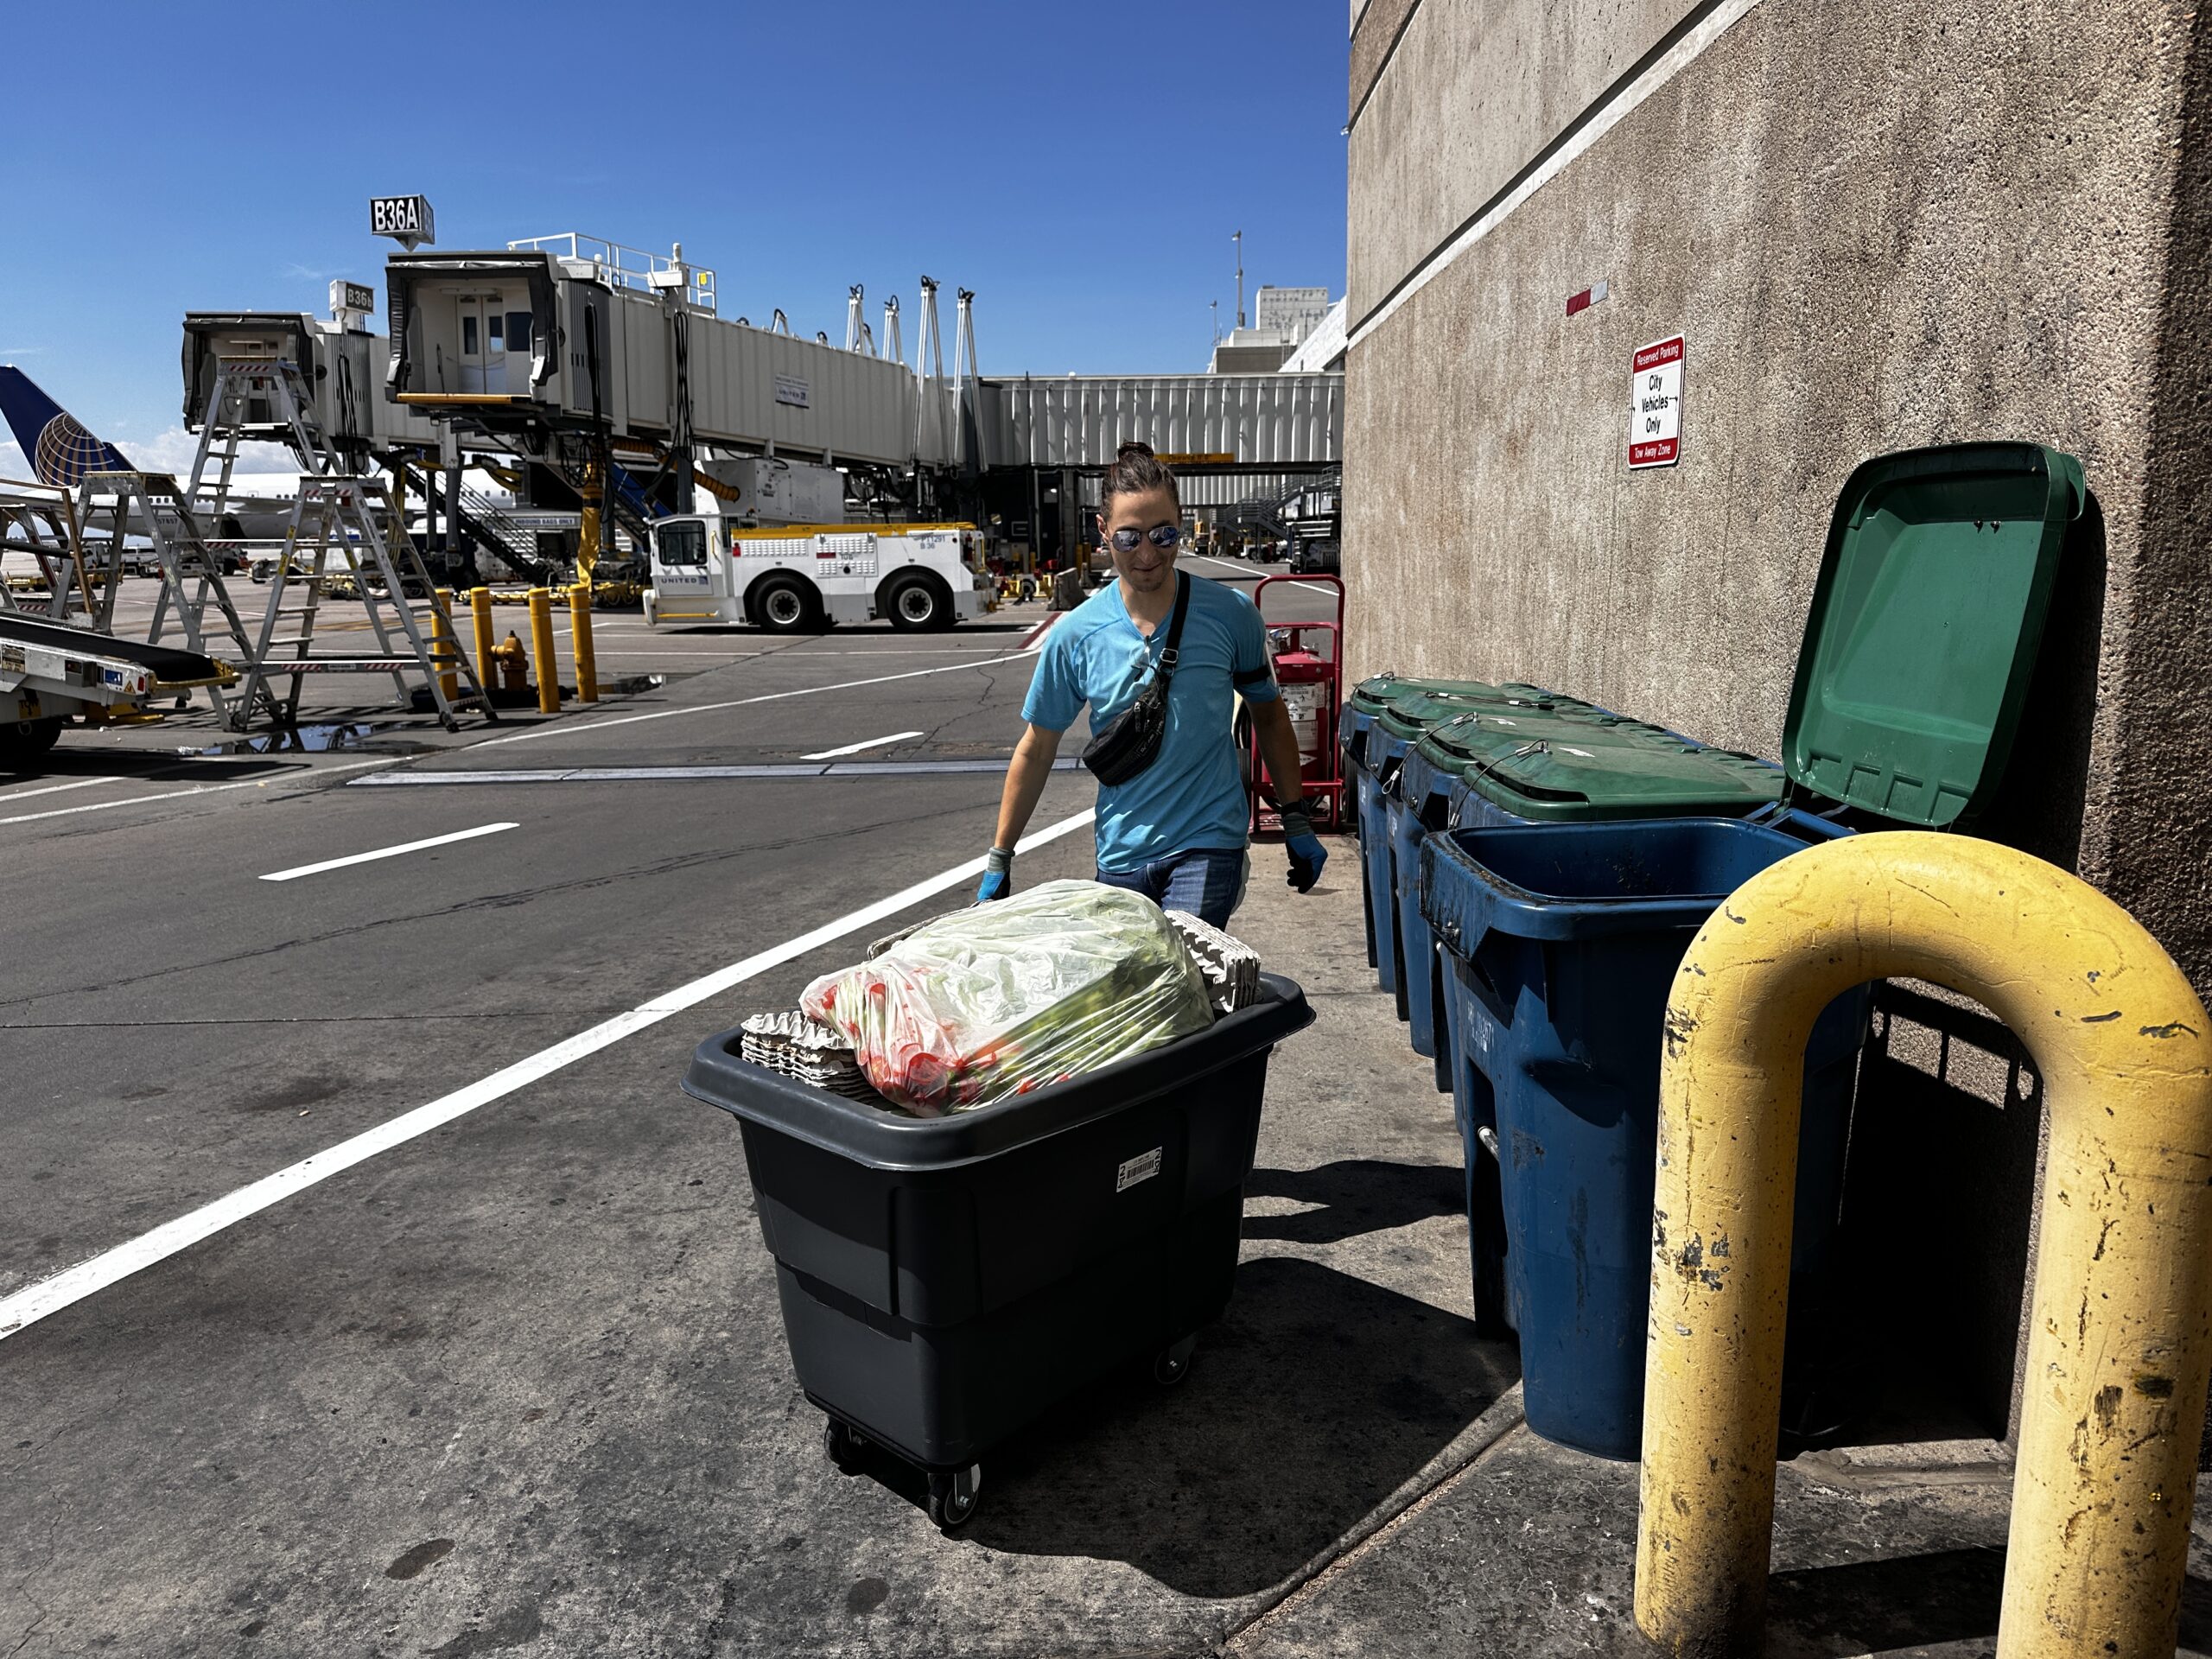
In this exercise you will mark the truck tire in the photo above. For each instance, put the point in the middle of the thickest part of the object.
(784, 603)
(22, 741)
(918, 603)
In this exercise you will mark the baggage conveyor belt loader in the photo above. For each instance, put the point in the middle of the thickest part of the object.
(51, 673)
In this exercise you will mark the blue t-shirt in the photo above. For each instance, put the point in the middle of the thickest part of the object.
(1192, 797)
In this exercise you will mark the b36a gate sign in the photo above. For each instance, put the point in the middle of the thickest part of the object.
(406, 219)
(1655, 403)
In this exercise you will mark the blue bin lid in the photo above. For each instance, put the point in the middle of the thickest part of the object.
(1923, 628)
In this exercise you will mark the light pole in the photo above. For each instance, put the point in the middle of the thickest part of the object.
(1238, 239)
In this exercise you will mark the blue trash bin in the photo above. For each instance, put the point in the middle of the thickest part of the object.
(1564, 927)
(1368, 702)
(1430, 778)
(1388, 740)
(1562, 941)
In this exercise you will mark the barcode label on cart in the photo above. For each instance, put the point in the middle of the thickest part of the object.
(1141, 1167)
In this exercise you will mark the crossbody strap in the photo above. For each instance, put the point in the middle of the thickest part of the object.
(1175, 626)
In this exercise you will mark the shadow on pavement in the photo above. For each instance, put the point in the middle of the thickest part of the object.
(1315, 1397)
(1358, 1195)
(148, 766)
(1913, 1602)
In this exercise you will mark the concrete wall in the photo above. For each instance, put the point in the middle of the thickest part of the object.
(1879, 224)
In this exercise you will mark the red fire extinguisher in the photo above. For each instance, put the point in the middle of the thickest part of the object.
(1308, 664)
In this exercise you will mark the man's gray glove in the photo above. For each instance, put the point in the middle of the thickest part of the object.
(998, 875)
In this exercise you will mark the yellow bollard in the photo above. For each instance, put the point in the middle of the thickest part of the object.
(445, 647)
(2120, 1350)
(480, 606)
(580, 638)
(542, 660)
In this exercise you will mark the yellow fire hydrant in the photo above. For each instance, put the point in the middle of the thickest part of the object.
(511, 662)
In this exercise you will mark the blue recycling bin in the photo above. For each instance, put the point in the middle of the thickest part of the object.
(1516, 767)
(1561, 942)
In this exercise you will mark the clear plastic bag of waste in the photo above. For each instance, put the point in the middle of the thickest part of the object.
(1004, 998)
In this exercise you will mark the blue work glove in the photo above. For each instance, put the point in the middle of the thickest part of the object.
(1308, 855)
(998, 878)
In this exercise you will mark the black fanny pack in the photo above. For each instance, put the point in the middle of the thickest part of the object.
(1130, 742)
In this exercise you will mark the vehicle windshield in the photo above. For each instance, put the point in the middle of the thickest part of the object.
(680, 545)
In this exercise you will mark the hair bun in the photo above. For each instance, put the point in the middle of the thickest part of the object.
(1134, 447)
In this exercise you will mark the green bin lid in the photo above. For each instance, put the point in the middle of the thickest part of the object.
(1924, 625)
(1482, 736)
(1567, 776)
(1380, 691)
(1409, 717)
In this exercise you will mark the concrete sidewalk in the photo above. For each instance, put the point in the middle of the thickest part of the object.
(1501, 1543)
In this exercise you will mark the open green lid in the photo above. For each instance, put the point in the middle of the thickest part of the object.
(1924, 629)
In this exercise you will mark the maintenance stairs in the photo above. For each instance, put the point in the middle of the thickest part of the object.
(39, 521)
(1265, 511)
(335, 553)
(195, 600)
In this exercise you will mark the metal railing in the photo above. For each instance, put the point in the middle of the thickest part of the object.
(633, 268)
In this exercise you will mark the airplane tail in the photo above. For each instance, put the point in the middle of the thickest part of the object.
(58, 449)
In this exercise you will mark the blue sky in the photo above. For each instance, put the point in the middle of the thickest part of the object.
(1080, 167)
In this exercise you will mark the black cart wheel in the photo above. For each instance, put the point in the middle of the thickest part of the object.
(842, 1446)
(952, 1498)
(1171, 1365)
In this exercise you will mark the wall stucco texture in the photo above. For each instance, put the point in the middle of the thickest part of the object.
(1879, 225)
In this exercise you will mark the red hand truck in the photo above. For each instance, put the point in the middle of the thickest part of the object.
(1308, 660)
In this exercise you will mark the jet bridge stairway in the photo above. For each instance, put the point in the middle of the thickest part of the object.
(335, 548)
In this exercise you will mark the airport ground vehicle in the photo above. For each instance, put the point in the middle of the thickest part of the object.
(51, 672)
(799, 578)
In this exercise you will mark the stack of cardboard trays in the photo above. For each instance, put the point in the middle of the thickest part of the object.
(1229, 967)
(797, 1046)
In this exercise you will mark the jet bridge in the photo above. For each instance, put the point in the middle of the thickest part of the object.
(526, 338)
(342, 364)
(1212, 423)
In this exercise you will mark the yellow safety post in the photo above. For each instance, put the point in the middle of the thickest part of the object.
(445, 645)
(2120, 1350)
(480, 608)
(580, 638)
(542, 660)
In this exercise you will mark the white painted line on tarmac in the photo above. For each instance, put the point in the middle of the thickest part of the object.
(817, 769)
(201, 789)
(855, 748)
(56, 788)
(743, 702)
(388, 852)
(34, 1302)
(1254, 575)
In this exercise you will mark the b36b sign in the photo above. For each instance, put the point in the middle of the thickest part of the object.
(1655, 404)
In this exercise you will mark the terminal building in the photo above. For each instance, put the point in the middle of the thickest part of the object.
(1873, 227)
